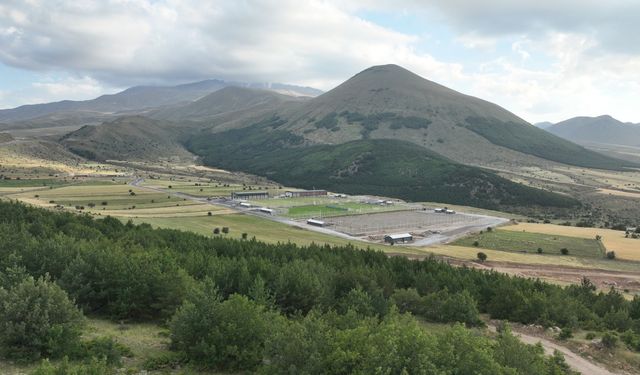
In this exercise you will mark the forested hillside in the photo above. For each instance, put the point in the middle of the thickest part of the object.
(248, 306)
(382, 167)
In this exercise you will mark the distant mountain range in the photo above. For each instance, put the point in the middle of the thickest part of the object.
(134, 99)
(598, 130)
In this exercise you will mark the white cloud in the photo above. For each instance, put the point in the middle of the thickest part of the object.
(566, 58)
(144, 40)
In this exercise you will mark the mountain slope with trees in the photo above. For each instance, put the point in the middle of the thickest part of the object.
(382, 167)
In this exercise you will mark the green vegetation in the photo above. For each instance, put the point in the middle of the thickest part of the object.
(37, 319)
(269, 307)
(531, 140)
(13, 182)
(382, 167)
(532, 243)
(372, 121)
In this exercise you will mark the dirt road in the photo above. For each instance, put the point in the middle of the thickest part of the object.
(574, 360)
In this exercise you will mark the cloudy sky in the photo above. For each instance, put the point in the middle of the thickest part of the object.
(541, 59)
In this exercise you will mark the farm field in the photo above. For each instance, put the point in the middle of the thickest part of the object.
(527, 242)
(200, 187)
(536, 260)
(613, 240)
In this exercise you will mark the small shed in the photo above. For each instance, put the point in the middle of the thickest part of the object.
(400, 237)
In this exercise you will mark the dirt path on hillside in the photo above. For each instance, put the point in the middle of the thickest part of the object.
(574, 360)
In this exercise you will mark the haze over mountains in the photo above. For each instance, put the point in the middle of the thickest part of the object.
(138, 98)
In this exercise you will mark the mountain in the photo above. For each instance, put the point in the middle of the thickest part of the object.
(598, 130)
(127, 138)
(390, 102)
(140, 98)
(229, 100)
(543, 125)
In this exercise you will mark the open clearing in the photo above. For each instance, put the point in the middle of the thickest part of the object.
(620, 193)
(527, 242)
(562, 270)
(426, 226)
(613, 240)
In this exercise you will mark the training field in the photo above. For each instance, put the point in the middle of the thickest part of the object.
(526, 242)
(613, 240)
(400, 221)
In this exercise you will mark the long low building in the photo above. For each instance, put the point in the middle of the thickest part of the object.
(250, 195)
(304, 193)
(400, 237)
(317, 223)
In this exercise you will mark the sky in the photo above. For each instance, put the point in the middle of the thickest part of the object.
(544, 60)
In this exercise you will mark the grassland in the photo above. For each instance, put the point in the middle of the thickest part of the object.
(202, 187)
(265, 230)
(625, 248)
(527, 242)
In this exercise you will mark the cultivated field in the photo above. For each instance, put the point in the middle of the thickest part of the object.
(527, 242)
(625, 248)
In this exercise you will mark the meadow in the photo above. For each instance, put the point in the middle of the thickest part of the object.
(613, 240)
(534, 243)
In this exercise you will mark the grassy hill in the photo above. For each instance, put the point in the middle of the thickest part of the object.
(390, 102)
(126, 138)
(381, 167)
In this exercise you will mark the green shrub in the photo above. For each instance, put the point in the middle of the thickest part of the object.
(590, 336)
(37, 320)
(107, 349)
(227, 334)
(91, 367)
(565, 334)
(609, 340)
(165, 361)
